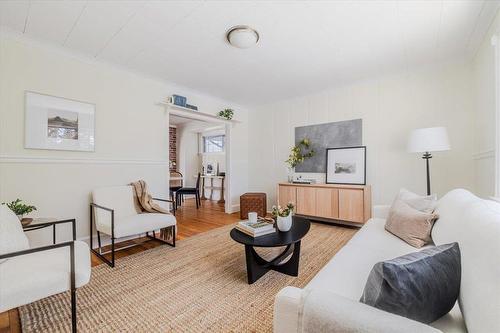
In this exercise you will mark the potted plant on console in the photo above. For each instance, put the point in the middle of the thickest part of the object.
(297, 156)
(283, 216)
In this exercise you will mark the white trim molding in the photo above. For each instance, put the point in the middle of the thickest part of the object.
(482, 155)
(495, 42)
(64, 160)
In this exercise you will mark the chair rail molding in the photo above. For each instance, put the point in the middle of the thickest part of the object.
(481, 155)
(65, 160)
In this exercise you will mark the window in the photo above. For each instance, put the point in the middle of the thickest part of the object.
(213, 144)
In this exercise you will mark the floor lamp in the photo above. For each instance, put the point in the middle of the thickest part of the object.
(427, 140)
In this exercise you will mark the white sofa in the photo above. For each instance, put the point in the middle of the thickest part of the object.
(464, 218)
(113, 210)
(30, 274)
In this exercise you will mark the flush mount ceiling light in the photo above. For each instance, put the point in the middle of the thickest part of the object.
(242, 36)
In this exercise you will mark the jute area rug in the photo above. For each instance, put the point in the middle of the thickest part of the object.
(199, 286)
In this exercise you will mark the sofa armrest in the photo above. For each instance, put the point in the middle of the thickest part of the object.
(286, 310)
(380, 211)
(324, 311)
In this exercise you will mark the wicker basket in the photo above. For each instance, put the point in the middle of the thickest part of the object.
(253, 202)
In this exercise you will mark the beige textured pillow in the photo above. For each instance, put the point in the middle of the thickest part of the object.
(409, 224)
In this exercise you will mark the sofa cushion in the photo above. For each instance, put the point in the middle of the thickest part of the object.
(34, 276)
(346, 273)
(422, 286)
(12, 237)
(137, 224)
(409, 224)
(475, 224)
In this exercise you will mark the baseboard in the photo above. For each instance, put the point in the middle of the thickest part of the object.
(234, 209)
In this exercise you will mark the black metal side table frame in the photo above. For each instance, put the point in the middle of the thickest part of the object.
(36, 226)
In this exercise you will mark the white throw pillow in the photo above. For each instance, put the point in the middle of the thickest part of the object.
(425, 204)
(475, 224)
(12, 237)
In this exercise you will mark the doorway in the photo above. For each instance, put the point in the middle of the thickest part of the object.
(199, 146)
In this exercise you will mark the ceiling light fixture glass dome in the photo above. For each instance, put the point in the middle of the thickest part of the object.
(242, 36)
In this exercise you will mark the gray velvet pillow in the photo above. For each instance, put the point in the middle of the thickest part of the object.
(422, 286)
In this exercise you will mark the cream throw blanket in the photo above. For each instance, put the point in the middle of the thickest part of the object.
(144, 202)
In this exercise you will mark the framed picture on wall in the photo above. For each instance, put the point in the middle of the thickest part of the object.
(346, 165)
(58, 123)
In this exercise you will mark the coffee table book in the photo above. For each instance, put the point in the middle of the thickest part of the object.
(255, 229)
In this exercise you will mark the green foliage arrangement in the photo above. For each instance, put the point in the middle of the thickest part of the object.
(297, 156)
(226, 114)
(19, 208)
(282, 211)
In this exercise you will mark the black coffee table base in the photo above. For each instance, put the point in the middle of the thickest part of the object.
(257, 266)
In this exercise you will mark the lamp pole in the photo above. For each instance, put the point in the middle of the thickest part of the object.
(426, 157)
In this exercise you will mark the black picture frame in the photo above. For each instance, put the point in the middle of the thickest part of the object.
(328, 168)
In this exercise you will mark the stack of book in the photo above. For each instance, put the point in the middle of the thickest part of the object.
(255, 229)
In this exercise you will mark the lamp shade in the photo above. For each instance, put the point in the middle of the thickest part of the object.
(428, 140)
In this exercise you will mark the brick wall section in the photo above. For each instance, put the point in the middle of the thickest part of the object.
(172, 154)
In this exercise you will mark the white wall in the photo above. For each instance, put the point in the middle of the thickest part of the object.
(484, 80)
(131, 131)
(189, 160)
(390, 108)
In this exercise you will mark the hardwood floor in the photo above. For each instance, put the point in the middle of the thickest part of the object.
(190, 221)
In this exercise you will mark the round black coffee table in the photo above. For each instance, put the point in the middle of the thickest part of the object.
(257, 266)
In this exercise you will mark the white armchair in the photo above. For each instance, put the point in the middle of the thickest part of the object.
(30, 274)
(113, 213)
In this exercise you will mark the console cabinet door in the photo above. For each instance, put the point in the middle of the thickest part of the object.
(287, 194)
(351, 207)
(306, 201)
(327, 203)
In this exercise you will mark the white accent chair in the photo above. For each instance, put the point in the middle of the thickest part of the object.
(113, 212)
(30, 274)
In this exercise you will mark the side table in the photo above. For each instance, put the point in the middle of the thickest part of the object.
(40, 223)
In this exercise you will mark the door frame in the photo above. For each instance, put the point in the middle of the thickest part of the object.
(227, 126)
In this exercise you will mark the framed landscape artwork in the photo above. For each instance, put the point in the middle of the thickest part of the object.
(58, 123)
(346, 165)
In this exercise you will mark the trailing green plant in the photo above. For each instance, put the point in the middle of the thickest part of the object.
(298, 156)
(282, 211)
(19, 208)
(226, 114)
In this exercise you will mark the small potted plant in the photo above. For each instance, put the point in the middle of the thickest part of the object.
(226, 114)
(298, 156)
(283, 216)
(19, 208)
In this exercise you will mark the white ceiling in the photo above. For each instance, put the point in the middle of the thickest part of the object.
(305, 46)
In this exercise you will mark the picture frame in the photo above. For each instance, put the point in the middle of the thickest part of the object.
(58, 123)
(346, 165)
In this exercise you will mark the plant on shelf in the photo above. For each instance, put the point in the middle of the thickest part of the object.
(19, 208)
(226, 114)
(298, 156)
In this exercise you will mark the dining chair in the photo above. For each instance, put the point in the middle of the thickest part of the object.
(175, 183)
(190, 191)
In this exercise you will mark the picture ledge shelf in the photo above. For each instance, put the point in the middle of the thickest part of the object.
(187, 112)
